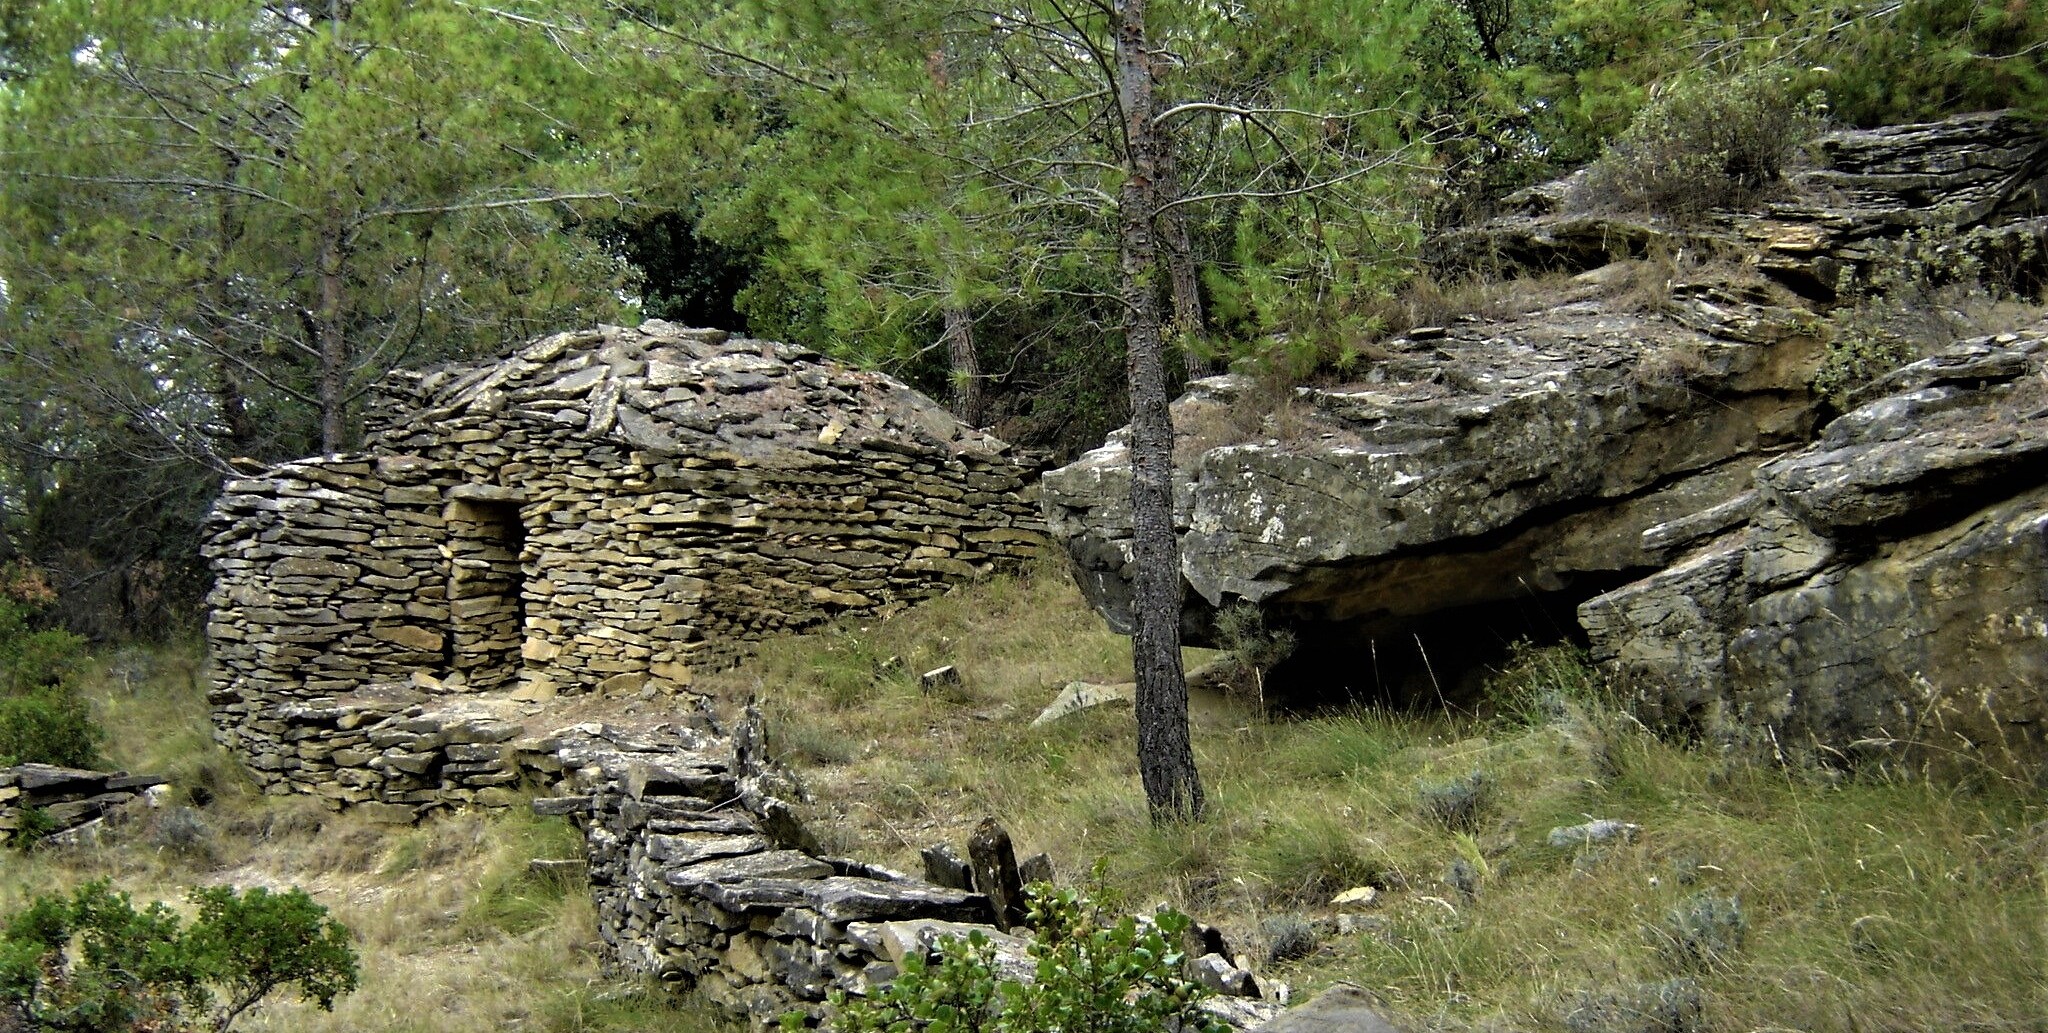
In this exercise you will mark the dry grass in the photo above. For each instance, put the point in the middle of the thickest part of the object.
(1868, 904)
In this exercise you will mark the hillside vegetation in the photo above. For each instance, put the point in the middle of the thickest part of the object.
(1753, 897)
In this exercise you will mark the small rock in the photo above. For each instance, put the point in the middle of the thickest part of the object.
(1601, 831)
(1081, 695)
(1218, 974)
(1343, 1008)
(1355, 898)
(944, 867)
(1036, 868)
(947, 677)
(1361, 925)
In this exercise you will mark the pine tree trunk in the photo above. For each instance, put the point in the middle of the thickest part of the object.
(1166, 758)
(959, 335)
(239, 431)
(1188, 325)
(333, 348)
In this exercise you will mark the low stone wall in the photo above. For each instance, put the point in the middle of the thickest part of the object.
(63, 799)
(399, 753)
(704, 879)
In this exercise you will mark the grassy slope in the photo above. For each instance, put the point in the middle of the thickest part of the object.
(1866, 904)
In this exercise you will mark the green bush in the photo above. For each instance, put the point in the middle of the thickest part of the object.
(1090, 976)
(92, 963)
(1925, 290)
(42, 719)
(1705, 142)
(48, 728)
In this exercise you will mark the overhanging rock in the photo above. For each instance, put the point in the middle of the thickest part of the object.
(1480, 464)
(1480, 480)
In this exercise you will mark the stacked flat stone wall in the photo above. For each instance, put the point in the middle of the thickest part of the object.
(602, 511)
(63, 800)
(705, 880)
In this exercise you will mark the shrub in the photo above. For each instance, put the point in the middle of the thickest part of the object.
(50, 727)
(1700, 932)
(92, 963)
(1459, 804)
(42, 719)
(1542, 685)
(1924, 291)
(1672, 1006)
(1705, 142)
(1250, 647)
(1090, 976)
(1288, 938)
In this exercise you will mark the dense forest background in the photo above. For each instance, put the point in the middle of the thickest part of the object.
(221, 222)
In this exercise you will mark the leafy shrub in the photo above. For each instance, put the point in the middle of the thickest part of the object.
(1090, 976)
(42, 720)
(1926, 290)
(92, 963)
(1856, 357)
(36, 826)
(50, 727)
(1706, 142)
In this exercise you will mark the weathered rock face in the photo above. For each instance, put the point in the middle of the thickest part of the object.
(1882, 591)
(1484, 479)
(600, 511)
(1479, 464)
(1986, 172)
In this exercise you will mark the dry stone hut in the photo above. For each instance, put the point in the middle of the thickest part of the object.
(601, 511)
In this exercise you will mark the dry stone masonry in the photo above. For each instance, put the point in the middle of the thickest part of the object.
(45, 800)
(606, 511)
(703, 878)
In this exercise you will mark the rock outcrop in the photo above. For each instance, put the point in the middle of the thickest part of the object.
(1981, 176)
(1882, 591)
(603, 511)
(1478, 465)
(1646, 436)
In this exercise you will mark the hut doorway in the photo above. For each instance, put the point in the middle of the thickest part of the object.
(486, 584)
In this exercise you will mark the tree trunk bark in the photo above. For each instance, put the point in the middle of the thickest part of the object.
(959, 335)
(1188, 325)
(1166, 758)
(227, 387)
(333, 346)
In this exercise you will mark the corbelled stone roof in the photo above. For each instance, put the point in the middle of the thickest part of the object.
(664, 388)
